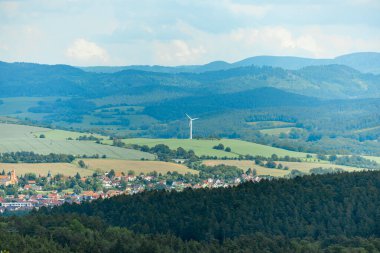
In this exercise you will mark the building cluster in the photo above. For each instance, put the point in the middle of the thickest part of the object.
(31, 195)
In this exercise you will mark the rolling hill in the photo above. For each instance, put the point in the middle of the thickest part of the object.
(367, 62)
(330, 81)
(205, 147)
(15, 138)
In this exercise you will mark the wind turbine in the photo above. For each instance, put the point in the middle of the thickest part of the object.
(191, 125)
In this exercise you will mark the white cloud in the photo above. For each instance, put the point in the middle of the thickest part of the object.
(178, 52)
(84, 51)
(276, 40)
(257, 11)
(85, 32)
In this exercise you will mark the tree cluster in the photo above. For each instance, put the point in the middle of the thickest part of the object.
(31, 157)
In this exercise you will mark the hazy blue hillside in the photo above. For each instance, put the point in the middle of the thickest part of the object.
(329, 105)
(286, 62)
(368, 62)
(252, 99)
(330, 81)
(364, 62)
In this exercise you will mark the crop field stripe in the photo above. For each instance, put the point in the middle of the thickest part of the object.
(30, 144)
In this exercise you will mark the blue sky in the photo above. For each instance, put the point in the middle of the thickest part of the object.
(178, 32)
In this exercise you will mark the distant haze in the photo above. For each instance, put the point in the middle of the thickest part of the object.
(172, 33)
(365, 62)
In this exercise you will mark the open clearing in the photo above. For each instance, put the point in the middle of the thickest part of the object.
(374, 158)
(304, 167)
(136, 166)
(278, 131)
(67, 169)
(205, 147)
(54, 134)
(367, 129)
(15, 138)
(245, 165)
(268, 124)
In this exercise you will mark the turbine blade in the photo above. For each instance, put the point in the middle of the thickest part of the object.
(188, 116)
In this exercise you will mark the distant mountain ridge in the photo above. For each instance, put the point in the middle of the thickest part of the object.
(366, 62)
(326, 81)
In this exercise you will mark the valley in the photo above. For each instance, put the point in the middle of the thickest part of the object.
(228, 126)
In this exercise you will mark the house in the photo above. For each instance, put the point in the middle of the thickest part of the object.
(4, 179)
(16, 204)
(27, 187)
(9, 180)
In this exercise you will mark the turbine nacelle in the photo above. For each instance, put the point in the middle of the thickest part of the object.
(190, 118)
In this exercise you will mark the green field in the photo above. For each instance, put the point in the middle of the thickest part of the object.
(205, 147)
(136, 166)
(367, 129)
(271, 123)
(304, 167)
(278, 131)
(67, 169)
(23, 138)
(63, 135)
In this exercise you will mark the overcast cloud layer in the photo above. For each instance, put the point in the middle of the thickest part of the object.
(178, 32)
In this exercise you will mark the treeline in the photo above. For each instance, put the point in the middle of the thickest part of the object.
(328, 213)
(31, 157)
(357, 161)
(314, 206)
(162, 151)
(78, 233)
(70, 110)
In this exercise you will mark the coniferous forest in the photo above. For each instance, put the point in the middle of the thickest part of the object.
(316, 213)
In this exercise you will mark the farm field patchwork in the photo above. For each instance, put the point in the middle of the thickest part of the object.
(205, 147)
(136, 166)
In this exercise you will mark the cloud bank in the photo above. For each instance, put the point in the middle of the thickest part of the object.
(95, 32)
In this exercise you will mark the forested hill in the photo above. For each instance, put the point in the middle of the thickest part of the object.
(366, 62)
(326, 213)
(330, 81)
(217, 103)
(313, 206)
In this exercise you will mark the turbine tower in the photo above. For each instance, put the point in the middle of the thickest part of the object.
(191, 125)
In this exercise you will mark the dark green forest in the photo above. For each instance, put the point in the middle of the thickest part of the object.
(316, 213)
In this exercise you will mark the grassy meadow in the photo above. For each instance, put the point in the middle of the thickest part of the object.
(67, 169)
(304, 167)
(245, 165)
(26, 138)
(136, 166)
(205, 147)
(278, 131)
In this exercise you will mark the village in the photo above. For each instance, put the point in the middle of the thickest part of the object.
(30, 191)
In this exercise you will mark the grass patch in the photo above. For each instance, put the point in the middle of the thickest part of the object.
(269, 124)
(15, 138)
(67, 169)
(245, 165)
(136, 166)
(304, 167)
(205, 147)
(278, 131)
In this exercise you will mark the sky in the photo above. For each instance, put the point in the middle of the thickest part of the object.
(183, 32)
